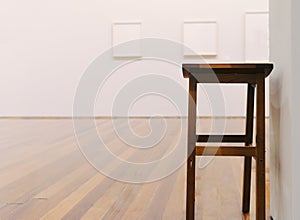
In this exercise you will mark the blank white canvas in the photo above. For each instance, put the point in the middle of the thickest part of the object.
(126, 32)
(257, 37)
(200, 37)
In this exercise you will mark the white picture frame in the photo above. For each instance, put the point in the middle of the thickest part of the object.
(125, 39)
(200, 38)
(257, 36)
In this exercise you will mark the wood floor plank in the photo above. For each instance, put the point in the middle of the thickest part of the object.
(45, 175)
(38, 206)
(175, 208)
(118, 208)
(87, 202)
(141, 201)
(131, 192)
(64, 206)
(21, 170)
(161, 198)
(81, 206)
(109, 214)
(105, 202)
(30, 189)
(62, 183)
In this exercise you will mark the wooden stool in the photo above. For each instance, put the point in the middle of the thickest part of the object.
(254, 76)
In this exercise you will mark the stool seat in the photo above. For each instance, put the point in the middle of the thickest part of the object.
(227, 73)
(236, 68)
(252, 74)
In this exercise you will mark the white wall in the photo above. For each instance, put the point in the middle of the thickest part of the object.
(285, 119)
(47, 45)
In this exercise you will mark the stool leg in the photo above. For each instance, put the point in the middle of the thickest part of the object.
(248, 141)
(260, 151)
(191, 151)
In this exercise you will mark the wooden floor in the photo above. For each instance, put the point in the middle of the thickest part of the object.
(43, 175)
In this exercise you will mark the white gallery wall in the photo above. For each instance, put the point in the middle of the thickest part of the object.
(285, 108)
(45, 46)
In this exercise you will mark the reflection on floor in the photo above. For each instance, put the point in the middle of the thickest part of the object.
(44, 173)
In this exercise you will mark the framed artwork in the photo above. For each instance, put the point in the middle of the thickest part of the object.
(125, 39)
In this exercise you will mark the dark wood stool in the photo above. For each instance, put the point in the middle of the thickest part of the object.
(254, 76)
